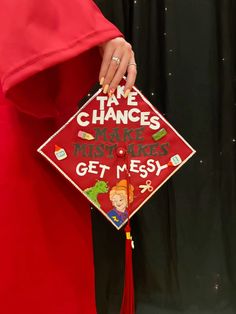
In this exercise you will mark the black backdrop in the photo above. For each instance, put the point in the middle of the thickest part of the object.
(185, 237)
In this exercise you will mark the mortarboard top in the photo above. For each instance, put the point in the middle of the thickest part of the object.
(110, 137)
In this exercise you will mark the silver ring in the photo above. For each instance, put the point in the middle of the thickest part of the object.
(116, 59)
(132, 63)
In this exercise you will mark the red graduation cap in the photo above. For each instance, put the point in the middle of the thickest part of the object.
(117, 147)
(118, 152)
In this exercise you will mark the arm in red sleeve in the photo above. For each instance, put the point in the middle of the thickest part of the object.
(45, 43)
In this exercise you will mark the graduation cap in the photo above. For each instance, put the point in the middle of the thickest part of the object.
(117, 152)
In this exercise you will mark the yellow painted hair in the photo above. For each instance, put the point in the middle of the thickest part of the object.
(121, 188)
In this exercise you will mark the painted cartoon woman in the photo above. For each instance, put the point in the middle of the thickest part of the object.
(119, 199)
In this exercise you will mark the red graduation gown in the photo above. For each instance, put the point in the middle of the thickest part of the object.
(47, 62)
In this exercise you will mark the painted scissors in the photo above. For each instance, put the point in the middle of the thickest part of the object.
(147, 187)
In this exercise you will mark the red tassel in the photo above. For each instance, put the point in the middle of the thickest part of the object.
(127, 306)
(128, 293)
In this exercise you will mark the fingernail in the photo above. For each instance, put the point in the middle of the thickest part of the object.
(105, 89)
(101, 81)
(111, 92)
(127, 93)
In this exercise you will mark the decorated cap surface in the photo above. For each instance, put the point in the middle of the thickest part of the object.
(112, 143)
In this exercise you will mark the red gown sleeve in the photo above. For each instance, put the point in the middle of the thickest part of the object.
(45, 43)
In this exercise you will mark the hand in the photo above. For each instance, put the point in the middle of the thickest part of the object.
(117, 59)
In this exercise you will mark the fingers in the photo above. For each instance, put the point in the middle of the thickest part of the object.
(118, 58)
(118, 75)
(131, 75)
(108, 51)
(115, 62)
